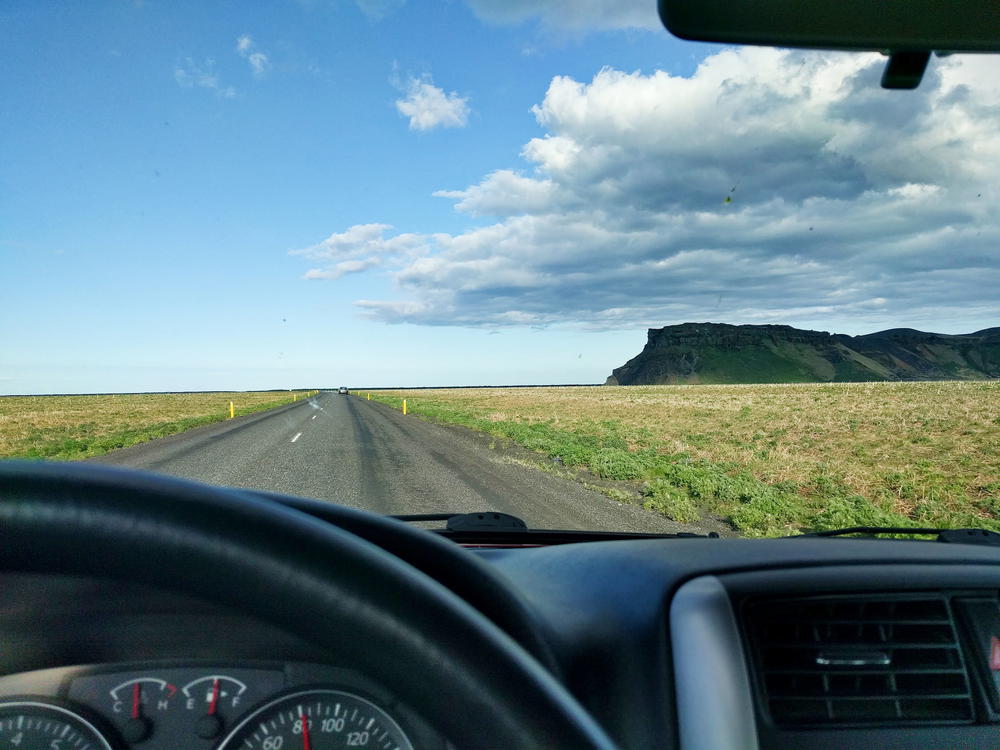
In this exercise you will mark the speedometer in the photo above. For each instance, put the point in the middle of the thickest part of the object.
(317, 720)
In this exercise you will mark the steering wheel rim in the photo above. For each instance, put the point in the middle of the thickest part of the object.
(319, 582)
(474, 581)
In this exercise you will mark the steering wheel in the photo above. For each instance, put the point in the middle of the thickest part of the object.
(317, 581)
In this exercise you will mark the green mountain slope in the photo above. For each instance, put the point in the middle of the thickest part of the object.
(720, 353)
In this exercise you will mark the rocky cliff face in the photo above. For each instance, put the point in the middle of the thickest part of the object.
(719, 353)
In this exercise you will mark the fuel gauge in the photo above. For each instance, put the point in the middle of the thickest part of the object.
(211, 696)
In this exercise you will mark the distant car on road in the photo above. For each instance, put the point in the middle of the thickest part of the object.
(342, 390)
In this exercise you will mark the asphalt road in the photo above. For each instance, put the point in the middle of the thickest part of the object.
(366, 455)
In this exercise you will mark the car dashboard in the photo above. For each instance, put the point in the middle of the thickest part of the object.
(146, 668)
(690, 643)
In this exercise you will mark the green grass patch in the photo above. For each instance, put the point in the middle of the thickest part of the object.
(671, 501)
(677, 486)
(131, 419)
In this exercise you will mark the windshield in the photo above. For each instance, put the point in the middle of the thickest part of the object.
(285, 246)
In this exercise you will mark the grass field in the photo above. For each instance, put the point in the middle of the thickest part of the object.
(72, 427)
(770, 459)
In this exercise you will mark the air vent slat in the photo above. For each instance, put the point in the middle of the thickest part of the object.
(858, 661)
(874, 696)
(861, 642)
(876, 621)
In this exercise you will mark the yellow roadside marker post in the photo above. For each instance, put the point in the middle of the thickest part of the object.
(369, 397)
(232, 410)
(404, 406)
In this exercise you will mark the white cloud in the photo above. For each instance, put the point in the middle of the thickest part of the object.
(342, 268)
(258, 61)
(503, 193)
(361, 247)
(246, 49)
(190, 74)
(429, 107)
(571, 15)
(769, 186)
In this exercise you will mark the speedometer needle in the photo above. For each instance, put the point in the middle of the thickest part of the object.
(305, 732)
(135, 700)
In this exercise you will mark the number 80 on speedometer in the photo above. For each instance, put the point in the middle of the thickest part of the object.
(317, 720)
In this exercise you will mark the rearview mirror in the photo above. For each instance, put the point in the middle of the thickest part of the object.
(913, 28)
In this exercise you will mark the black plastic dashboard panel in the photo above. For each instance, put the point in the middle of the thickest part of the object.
(52, 621)
(604, 607)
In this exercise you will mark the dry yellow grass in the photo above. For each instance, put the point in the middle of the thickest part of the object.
(906, 445)
(81, 426)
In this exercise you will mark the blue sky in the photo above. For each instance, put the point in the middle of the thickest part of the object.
(171, 172)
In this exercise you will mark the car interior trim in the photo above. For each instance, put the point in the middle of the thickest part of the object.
(714, 700)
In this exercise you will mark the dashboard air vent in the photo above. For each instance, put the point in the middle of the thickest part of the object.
(891, 659)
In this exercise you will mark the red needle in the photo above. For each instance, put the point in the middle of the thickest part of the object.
(135, 700)
(306, 745)
(215, 696)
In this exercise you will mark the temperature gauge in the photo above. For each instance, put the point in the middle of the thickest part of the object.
(139, 699)
(208, 695)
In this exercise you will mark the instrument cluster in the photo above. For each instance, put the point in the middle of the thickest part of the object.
(204, 707)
